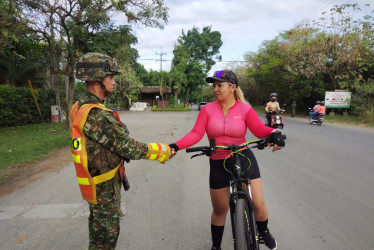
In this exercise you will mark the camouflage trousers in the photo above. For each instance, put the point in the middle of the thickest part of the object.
(103, 222)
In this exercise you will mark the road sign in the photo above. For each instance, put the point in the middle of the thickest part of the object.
(338, 99)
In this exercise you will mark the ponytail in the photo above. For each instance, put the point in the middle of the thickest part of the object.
(239, 96)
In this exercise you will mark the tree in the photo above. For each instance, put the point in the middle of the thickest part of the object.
(22, 55)
(79, 20)
(116, 42)
(194, 55)
(127, 86)
(178, 79)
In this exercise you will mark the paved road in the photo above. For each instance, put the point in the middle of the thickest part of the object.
(319, 191)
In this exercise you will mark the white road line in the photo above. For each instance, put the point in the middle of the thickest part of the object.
(44, 211)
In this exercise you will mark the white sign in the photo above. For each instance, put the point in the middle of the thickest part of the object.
(338, 99)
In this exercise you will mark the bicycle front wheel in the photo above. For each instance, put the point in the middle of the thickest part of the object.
(243, 230)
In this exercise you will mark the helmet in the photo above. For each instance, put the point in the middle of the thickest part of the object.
(322, 103)
(318, 102)
(95, 67)
(271, 97)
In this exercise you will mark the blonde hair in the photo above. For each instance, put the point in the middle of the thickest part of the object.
(239, 96)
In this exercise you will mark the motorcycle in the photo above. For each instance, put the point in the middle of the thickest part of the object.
(318, 119)
(277, 121)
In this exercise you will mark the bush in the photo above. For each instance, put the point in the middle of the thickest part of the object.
(18, 107)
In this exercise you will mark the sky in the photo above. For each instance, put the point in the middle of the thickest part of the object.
(243, 24)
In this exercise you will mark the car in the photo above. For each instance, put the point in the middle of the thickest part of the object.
(201, 105)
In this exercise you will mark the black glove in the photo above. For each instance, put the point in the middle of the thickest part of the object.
(175, 146)
(277, 138)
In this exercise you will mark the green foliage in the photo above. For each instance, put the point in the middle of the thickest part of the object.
(207, 94)
(362, 101)
(335, 52)
(12, 26)
(193, 57)
(18, 106)
(85, 25)
(180, 107)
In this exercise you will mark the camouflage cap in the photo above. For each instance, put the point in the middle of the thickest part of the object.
(95, 66)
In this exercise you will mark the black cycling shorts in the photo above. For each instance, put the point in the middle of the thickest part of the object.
(219, 177)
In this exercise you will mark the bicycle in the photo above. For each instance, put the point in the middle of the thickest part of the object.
(243, 222)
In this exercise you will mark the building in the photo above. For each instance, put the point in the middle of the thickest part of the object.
(152, 96)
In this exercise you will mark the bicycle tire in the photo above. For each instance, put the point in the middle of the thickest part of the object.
(243, 239)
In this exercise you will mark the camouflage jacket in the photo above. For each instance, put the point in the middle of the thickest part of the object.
(107, 142)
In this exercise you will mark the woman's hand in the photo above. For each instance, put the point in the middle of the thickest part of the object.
(173, 152)
(174, 149)
(277, 139)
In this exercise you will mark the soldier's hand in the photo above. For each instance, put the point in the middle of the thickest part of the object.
(160, 152)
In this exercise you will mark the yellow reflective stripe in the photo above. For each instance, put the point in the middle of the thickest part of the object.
(162, 158)
(107, 176)
(83, 181)
(152, 157)
(76, 158)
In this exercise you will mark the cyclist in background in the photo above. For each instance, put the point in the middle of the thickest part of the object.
(226, 120)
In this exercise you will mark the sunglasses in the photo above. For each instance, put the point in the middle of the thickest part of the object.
(222, 74)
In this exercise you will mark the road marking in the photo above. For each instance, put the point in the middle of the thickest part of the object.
(44, 211)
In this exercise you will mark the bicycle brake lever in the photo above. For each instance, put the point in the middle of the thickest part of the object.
(197, 155)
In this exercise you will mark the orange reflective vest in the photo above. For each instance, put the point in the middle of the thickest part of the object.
(87, 183)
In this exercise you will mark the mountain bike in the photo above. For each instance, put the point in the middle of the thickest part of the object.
(243, 222)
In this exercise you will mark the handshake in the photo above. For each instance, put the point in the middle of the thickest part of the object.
(161, 152)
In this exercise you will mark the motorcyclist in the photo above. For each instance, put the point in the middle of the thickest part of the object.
(322, 109)
(271, 106)
(315, 110)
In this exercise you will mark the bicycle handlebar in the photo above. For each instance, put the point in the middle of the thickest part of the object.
(260, 144)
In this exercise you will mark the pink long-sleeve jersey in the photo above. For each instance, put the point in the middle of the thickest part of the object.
(226, 130)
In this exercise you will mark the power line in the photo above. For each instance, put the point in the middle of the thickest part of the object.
(168, 60)
(320, 7)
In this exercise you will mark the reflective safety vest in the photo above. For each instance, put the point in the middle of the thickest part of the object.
(87, 183)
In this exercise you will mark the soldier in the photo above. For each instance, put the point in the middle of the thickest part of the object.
(99, 146)
(293, 105)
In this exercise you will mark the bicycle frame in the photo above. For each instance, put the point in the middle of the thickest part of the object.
(236, 192)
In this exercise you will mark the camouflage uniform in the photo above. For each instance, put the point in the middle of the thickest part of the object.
(107, 144)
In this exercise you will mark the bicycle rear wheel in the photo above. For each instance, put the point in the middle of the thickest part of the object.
(243, 235)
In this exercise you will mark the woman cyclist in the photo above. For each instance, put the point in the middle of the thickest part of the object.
(226, 120)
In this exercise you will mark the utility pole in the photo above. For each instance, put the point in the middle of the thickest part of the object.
(161, 88)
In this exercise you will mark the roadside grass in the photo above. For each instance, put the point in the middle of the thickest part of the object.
(366, 119)
(180, 107)
(27, 144)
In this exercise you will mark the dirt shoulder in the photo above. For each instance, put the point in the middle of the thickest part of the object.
(33, 171)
